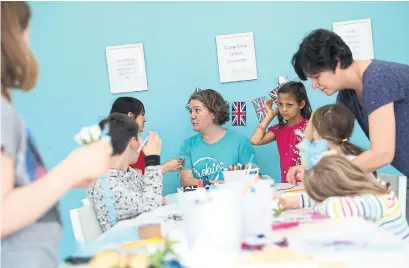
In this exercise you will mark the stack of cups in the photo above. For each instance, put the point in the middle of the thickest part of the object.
(212, 221)
(257, 209)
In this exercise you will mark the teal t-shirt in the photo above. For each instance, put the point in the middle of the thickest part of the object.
(209, 160)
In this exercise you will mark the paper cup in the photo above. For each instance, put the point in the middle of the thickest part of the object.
(212, 221)
(257, 209)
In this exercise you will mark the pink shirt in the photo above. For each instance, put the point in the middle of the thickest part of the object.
(286, 142)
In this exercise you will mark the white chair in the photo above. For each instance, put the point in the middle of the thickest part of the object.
(85, 224)
(85, 202)
(398, 184)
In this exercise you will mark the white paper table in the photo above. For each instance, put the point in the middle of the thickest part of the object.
(359, 258)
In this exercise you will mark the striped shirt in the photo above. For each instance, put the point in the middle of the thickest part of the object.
(306, 202)
(383, 210)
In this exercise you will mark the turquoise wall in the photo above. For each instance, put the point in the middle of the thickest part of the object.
(69, 40)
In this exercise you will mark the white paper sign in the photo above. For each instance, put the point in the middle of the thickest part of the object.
(126, 68)
(357, 34)
(236, 57)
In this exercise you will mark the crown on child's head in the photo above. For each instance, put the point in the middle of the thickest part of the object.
(312, 152)
(91, 134)
(281, 81)
(274, 93)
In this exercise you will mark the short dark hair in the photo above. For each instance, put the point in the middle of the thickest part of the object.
(215, 103)
(300, 94)
(125, 105)
(121, 129)
(320, 51)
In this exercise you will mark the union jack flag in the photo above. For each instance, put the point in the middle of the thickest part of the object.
(187, 104)
(238, 113)
(260, 108)
(274, 95)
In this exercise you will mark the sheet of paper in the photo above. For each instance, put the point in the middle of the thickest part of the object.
(236, 57)
(357, 34)
(126, 68)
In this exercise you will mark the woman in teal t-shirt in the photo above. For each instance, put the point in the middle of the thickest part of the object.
(214, 148)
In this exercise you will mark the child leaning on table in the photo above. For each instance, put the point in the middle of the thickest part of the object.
(340, 189)
(132, 193)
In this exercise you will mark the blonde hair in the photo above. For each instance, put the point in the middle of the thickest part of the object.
(19, 68)
(335, 175)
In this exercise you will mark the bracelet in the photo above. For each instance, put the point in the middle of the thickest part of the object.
(152, 160)
(261, 127)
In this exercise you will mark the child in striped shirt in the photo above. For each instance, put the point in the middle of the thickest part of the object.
(340, 189)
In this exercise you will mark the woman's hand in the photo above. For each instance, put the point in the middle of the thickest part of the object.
(174, 164)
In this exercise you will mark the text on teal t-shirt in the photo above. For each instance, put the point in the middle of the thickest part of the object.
(209, 160)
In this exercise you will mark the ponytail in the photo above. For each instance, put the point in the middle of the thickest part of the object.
(350, 149)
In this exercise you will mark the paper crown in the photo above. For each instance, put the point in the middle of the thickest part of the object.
(311, 152)
(281, 81)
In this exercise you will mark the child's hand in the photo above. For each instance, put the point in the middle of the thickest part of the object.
(154, 145)
(270, 111)
(295, 173)
(289, 202)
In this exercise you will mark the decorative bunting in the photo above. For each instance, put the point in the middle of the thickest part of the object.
(196, 90)
(238, 113)
(260, 108)
(274, 95)
(238, 109)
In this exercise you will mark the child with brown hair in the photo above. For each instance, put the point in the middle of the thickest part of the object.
(30, 216)
(131, 192)
(333, 123)
(342, 190)
(293, 112)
